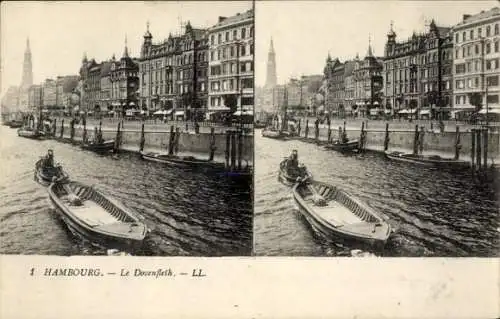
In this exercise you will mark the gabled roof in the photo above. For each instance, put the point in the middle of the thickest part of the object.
(483, 15)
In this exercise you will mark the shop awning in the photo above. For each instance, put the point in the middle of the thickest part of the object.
(218, 108)
(179, 113)
(425, 112)
(239, 113)
(374, 111)
(160, 112)
(490, 110)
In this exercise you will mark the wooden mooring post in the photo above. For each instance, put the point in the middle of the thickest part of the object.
(143, 139)
(299, 127)
(316, 131)
(478, 149)
(386, 138)
(228, 146)
(117, 138)
(473, 149)
(421, 137)
(170, 145)
(54, 133)
(212, 144)
(415, 141)
(485, 148)
(329, 130)
(61, 135)
(307, 128)
(340, 134)
(176, 140)
(240, 148)
(72, 130)
(84, 136)
(362, 137)
(458, 145)
(233, 150)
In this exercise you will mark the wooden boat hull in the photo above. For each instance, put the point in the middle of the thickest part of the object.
(274, 134)
(343, 147)
(285, 178)
(348, 219)
(425, 160)
(34, 134)
(104, 147)
(45, 176)
(15, 124)
(188, 161)
(126, 236)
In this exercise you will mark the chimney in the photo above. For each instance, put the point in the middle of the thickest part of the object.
(222, 19)
(465, 17)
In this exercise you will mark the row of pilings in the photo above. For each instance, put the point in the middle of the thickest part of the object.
(479, 150)
(234, 146)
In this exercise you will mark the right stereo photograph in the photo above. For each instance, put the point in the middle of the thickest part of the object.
(377, 129)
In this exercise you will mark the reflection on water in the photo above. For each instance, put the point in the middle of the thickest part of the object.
(190, 213)
(434, 212)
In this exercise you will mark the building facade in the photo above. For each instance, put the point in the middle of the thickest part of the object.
(35, 97)
(49, 89)
(334, 86)
(10, 100)
(476, 62)
(120, 84)
(417, 73)
(231, 67)
(349, 87)
(173, 73)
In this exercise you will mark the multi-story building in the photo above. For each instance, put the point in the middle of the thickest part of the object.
(231, 66)
(334, 86)
(49, 89)
(476, 65)
(368, 83)
(120, 84)
(64, 88)
(10, 100)
(417, 75)
(349, 87)
(173, 73)
(35, 99)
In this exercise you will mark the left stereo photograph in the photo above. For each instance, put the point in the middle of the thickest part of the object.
(127, 136)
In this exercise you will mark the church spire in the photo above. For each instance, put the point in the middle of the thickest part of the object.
(370, 52)
(125, 52)
(27, 76)
(271, 78)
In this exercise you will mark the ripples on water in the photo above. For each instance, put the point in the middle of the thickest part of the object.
(190, 213)
(434, 212)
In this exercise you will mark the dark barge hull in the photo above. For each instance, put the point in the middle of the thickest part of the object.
(427, 160)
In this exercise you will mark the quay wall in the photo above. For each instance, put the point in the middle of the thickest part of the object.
(157, 140)
(435, 142)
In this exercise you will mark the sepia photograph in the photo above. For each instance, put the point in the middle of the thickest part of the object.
(127, 128)
(377, 128)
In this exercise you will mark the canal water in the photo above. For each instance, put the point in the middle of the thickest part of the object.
(433, 212)
(190, 213)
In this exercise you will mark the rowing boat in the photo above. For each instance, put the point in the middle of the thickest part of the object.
(342, 147)
(338, 215)
(288, 177)
(45, 175)
(29, 132)
(184, 161)
(98, 218)
(427, 160)
(104, 147)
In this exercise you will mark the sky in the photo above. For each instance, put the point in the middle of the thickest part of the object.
(60, 32)
(305, 31)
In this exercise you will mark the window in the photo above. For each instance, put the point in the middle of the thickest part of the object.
(456, 37)
(479, 32)
(496, 46)
(488, 48)
(251, 31)
(456, 53)
(235, 34)
(496, 29)
(243, 33)
(472, 34)
(212, 39)
(457, 99)
(227, 36)
(493, 99)
(476, 51)
(243, 50)
(488, 31)
(463, 52)
(219, 38)
(231, 53)
(464, 36)
(492, 80)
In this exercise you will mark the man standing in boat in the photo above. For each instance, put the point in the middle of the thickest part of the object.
(48, 161)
